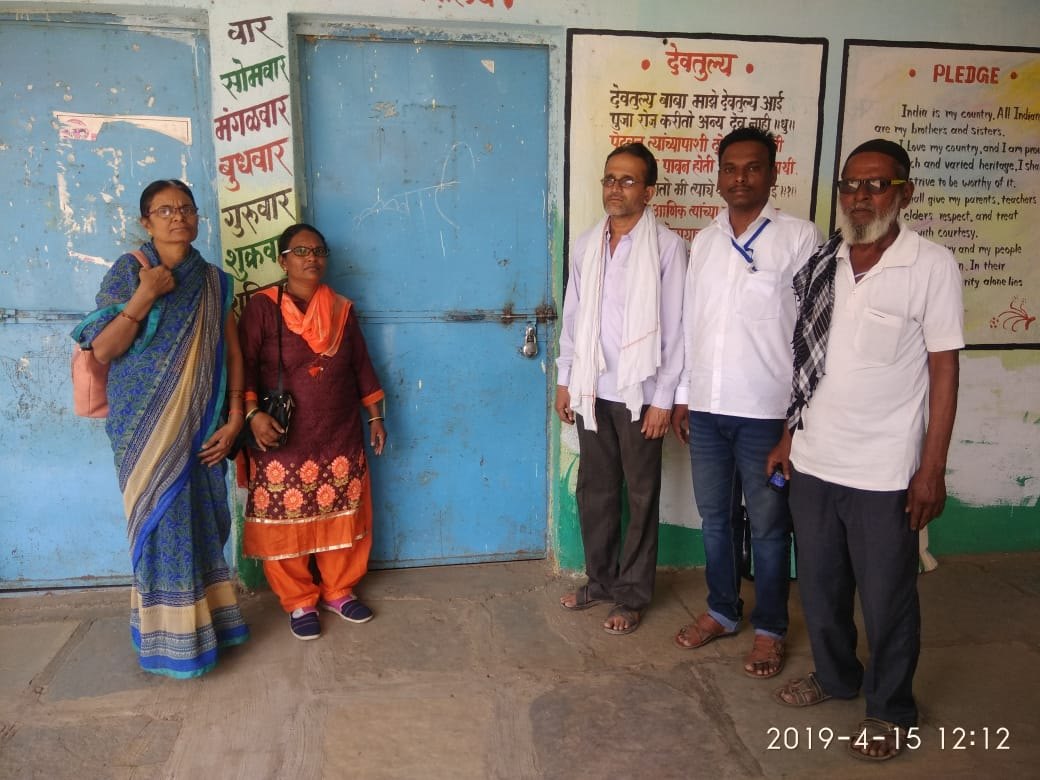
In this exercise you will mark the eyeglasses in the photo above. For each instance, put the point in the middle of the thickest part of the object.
(625, 182)
(168, 211)
(303, 251)
(873, 186)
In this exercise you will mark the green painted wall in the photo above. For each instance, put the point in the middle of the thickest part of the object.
(971, 529)
(960, 530)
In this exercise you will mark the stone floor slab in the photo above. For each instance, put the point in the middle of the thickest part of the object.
(102, 662)
(26, 649)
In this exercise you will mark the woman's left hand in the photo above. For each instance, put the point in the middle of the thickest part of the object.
(216, 448)
(377, 436)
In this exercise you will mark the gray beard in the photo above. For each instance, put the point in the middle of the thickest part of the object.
(870, 233)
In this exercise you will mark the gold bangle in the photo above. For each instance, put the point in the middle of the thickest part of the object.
(132, 319)
(373, 419)
(252, 414)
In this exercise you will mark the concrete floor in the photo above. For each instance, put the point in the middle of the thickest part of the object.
(476, 672)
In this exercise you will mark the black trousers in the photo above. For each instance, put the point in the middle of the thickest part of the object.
(851, 539)
(622, 571)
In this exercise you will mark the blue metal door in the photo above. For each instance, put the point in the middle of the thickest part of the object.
(92, 114)
(427, 169)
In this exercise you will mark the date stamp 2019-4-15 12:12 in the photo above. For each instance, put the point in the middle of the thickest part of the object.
(913, 738)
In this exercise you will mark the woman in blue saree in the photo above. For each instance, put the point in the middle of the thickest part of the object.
(168, 333)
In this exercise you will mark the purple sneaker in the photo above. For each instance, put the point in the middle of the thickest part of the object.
(304, 623)
(350, 609)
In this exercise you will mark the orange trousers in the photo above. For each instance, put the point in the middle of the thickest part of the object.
(341, 570)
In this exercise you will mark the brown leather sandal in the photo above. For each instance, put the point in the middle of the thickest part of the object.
(699, 633)
(767, 653)
(802, 692)
(874, 732)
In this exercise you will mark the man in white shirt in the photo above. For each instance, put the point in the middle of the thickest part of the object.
(731, 402)
(875, 393)
(620, 358)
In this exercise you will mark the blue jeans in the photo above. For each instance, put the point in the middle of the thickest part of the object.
(728, 460)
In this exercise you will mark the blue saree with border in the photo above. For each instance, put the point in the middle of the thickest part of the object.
(166, 397)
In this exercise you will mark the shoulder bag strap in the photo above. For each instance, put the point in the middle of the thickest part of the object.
(281, 290)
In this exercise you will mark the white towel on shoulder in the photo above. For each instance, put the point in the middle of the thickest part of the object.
(640, 355)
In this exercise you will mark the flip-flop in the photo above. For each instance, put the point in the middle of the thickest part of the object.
(630, 615)
(582, 600)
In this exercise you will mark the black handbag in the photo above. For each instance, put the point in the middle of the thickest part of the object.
(277, 403)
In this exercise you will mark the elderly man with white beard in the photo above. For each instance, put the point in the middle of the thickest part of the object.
(874, 397)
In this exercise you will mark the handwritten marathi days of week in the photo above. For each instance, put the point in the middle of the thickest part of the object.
(238, 259)
(247, 77)
(251, 119)
(266, 207)
(245, 30)
(260, 158)
(241, 159)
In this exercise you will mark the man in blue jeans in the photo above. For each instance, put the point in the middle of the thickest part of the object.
(732, 398)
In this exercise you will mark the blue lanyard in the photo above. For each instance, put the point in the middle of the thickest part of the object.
(745, 251)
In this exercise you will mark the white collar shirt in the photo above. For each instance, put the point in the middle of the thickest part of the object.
(657, 390)
(737, 324)
(864, 425)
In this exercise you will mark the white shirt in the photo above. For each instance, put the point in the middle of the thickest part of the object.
(738, 325)
(864, 425)
(658, 390)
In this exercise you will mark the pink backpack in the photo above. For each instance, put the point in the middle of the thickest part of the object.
(89, 376)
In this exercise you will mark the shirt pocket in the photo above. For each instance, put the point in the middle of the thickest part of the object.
(877, 336)
(761, 295)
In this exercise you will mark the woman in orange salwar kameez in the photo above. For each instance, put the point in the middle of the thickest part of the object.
(311, 495)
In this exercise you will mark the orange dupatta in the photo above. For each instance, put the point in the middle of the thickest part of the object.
(323, 324)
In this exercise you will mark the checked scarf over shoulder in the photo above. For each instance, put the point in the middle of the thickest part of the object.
(640, 354)
(814, 291)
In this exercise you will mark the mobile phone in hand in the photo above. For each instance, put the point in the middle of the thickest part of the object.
(777, 481)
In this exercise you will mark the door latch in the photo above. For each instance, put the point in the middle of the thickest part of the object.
(529, 348)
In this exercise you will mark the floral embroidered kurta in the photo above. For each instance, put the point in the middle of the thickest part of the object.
(312, 494)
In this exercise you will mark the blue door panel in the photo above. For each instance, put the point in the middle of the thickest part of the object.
(426, 170)
(76, 197)
(69, 208)
(61, 514)
(463, 477)
(422, 158)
